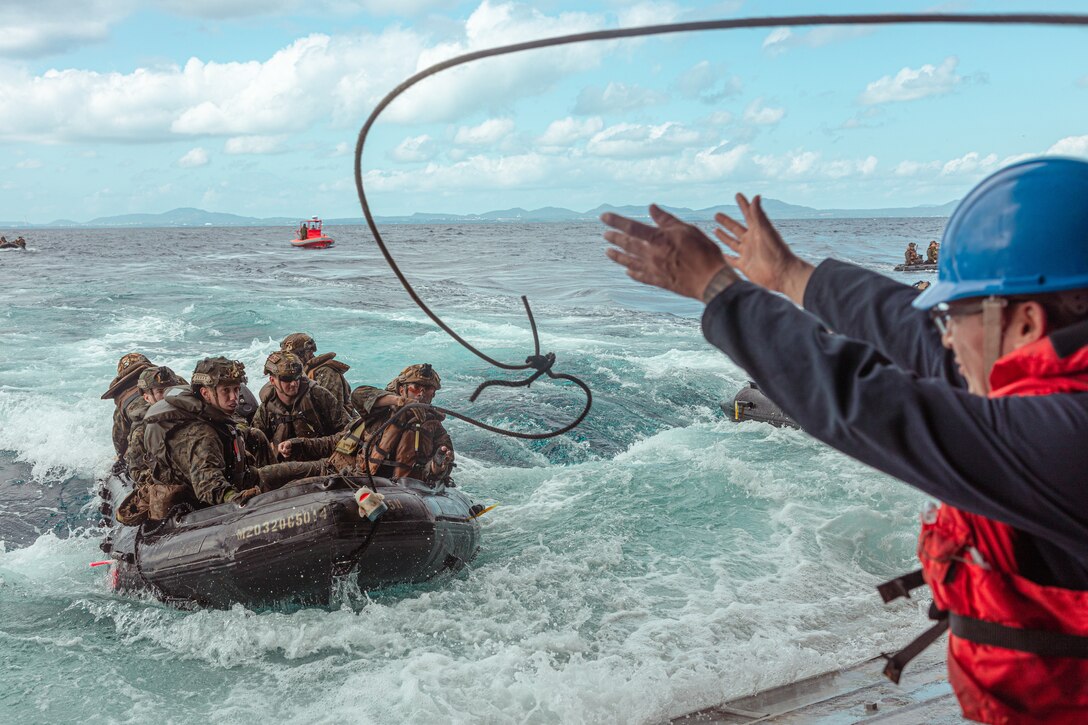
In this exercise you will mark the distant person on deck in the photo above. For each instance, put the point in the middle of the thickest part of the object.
(974, 391)
(932, 251)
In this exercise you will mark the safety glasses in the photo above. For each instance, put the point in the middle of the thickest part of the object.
(942, 314)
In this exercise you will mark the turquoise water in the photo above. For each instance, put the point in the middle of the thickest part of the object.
(655, 561)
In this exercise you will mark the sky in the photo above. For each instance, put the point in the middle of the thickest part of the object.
(252, 107)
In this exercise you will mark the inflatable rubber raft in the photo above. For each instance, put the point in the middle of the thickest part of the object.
(751, 404)
(289, 545)
(923, 267)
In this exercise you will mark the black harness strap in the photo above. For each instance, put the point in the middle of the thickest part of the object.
(893, 670)
(901, 586)
(1040, 642)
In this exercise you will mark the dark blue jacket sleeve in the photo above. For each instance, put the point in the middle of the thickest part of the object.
(1019, 460)
(868, 306)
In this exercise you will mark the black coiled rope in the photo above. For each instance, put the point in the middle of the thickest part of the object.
(542, 364)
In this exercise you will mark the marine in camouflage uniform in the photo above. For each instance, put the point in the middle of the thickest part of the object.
(129, 404)
(322, 369)
(414, 444)
(293, 406)
(932, 252)
(153, 384)
(196, 451)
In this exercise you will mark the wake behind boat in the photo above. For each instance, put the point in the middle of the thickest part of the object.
(290, 544)
(310, 235)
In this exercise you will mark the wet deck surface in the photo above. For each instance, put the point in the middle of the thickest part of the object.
(858, 694)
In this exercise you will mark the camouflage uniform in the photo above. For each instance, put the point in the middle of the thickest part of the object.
(406, 447)
(197, 453)
(127, 398)
(911, 256)
(323, 369)
(153, 378)
(314, 411)
(932, 251)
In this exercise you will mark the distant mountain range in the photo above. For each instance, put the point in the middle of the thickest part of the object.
(189, 217)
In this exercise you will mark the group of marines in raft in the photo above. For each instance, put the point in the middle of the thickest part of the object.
(190, 444)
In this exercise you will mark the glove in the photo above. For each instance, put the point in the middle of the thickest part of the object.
(246, 494)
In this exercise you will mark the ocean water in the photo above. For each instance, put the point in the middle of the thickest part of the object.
(656, 560)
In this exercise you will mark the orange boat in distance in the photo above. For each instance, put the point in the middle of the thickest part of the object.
(310, 235)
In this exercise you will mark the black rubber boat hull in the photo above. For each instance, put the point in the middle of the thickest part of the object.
(923, 267)
(291, 544)
(751, 404)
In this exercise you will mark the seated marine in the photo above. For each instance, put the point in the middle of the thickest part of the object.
(911, 255)
(153, 384)
(932, 251)
(293, 406)
(196, 452)
(322, 369)
(414, 444)
(129, 403)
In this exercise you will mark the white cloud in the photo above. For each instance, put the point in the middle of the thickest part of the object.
(647, 13)
(714, 163)
(1070, 146)
(208, 98)
(626, 140)
(342, 149)
(566, 131)
(414, 148)
(29, 164)
(707, 82)
(780, 40)
(911, 84)
(254, 144)
(194, 158)
(761, 115)
(493, 83)
(474, 173)
(488, 133)
(809, 165)
(222, 9)
(34, 28)
(970, 163)
(912, 168)
(616, 98)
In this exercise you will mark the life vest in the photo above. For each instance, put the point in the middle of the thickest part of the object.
(172, 413)
(1018, 651)
(299, 420)
(325, 360)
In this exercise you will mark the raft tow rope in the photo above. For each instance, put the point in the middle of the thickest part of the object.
(542, 364)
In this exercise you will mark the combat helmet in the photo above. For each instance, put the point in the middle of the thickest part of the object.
(284, 365)
(159, 378)
(299, 343)
(213, 371)
(1021, 231)
(421, 373)
(129, 368)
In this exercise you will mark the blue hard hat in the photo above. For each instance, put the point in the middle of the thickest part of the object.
(1023, 230)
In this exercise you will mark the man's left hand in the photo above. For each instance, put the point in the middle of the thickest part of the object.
(673, 255)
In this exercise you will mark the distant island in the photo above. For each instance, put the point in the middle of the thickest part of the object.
(189, 217)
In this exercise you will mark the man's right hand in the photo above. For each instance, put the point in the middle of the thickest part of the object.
(284, 448)
(246, 494)
(762, 255)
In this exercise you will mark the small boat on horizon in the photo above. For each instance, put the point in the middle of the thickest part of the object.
(310, 235)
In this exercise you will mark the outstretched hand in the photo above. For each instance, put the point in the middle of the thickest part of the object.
(761, 254)
(673, 255)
